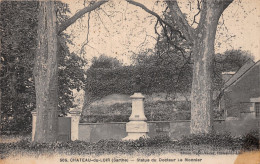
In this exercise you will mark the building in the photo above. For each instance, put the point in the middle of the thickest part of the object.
(241, 92)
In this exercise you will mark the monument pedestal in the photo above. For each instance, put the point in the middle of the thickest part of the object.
(137, 127)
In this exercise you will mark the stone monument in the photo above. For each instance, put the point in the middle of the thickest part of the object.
(137, 126)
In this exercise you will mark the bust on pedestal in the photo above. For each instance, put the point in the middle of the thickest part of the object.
(137, 126)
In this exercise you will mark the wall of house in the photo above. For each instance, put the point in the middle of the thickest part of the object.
(94, 132)
(237, 96)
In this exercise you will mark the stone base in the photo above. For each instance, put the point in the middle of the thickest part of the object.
(136, 129)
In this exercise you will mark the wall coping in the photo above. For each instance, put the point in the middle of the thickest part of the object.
(34, 113)
(247, 112)
(257, 99)
(101, 123)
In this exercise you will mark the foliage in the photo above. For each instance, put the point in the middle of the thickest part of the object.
(251, 141)
(169, 74)
(193, 144)
(18, 23)
(231, 60)
(212, 139)
(82, 147)
(154, 111)
(155, 78)
(170, 46)
(71, 75)
(105, 62)
(246, 142)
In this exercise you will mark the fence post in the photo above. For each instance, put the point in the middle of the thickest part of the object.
(75, 117)
(34, 117)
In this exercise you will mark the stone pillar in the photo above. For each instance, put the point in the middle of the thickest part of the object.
(137, 127)
(34, 117)
(75, 117)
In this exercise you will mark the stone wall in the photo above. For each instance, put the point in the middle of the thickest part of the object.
(94, 132)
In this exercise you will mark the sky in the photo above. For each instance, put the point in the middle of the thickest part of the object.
(119, 29)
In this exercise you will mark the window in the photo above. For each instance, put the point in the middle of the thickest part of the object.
(257, 109)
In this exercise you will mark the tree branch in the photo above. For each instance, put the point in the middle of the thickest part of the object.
(199, 8)
(180, 20)
(221, 5)
(86, 42)
(102, 21)
(156, 15)
(79, 14)
(225, 3)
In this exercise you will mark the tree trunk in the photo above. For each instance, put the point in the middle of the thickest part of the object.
(202, 41)
(46, 67)
(0, 105)
(45, 74)
(201, 95)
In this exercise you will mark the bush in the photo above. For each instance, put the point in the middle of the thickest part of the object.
(154, 111)
(247, 142)
(251, 141)
(82, 147)
(212, 139)
(158, 144)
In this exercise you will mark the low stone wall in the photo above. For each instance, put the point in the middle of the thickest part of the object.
(238, 127)
(94, 132)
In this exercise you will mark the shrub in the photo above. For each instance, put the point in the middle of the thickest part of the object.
(212, 139)
(157, 144)
(82, 147)
(250, 141)
(154, 111)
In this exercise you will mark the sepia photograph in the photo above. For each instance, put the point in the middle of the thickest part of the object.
(130, 81)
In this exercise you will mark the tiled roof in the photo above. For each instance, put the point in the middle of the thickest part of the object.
(246, 67)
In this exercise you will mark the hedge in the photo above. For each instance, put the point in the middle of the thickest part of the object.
(102, 82)
(193, 144)
(154, 111)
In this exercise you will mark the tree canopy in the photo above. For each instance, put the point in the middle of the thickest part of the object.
(18, 44)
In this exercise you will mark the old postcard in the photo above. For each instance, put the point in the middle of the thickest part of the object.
(130, 81)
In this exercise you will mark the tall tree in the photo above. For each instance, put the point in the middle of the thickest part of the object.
(46, 68)
(45, 74)
(18, 22)
(201, 40)
(18, 40)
